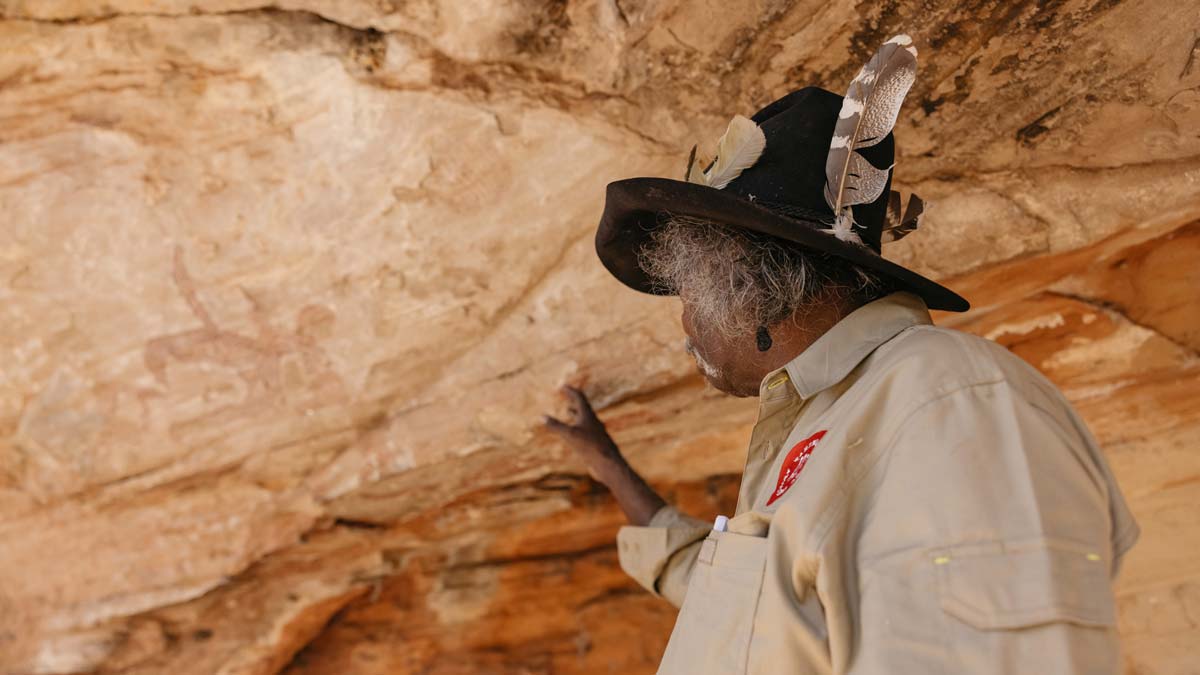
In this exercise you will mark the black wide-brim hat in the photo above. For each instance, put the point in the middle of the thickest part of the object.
(781, 194)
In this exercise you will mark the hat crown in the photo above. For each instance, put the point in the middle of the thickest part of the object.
(789, 177)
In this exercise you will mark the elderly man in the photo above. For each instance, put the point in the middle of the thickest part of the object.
(914, 499)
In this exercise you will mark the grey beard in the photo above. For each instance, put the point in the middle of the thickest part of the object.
(713, 372)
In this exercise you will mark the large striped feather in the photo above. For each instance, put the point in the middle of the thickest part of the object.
(868, 113)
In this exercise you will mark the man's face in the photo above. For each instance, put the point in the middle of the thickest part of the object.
(715, 357)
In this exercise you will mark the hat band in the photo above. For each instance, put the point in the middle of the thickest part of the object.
(821, 218)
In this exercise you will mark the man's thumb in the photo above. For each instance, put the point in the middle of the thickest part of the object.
(554, 424)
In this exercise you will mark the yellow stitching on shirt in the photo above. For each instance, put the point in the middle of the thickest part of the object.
(777, 382)
(941, 560)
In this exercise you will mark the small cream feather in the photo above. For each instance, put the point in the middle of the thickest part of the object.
(739, 148)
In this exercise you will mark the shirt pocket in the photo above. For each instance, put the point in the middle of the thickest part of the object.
(1007, 585)
(713, 629)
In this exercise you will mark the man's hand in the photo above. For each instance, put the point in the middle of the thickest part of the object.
(586, 435)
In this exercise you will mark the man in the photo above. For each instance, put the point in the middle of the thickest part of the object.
(914, 499)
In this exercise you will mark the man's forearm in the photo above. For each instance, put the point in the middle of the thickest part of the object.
(637, 499)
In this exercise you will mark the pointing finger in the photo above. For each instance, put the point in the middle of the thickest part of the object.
(580, 400)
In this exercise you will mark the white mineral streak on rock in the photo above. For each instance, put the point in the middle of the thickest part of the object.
(1025, 327)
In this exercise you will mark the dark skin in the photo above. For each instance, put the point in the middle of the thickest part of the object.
(741, 367)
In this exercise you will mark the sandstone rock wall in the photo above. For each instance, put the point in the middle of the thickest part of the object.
(285, 286)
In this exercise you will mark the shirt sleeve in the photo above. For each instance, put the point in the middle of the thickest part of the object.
(988, 546)
(660, 555)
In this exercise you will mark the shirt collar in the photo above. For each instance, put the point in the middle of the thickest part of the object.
(831, 358)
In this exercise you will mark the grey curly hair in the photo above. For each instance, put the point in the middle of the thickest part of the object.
(736, 279)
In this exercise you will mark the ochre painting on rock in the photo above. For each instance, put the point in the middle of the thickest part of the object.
(286, 288)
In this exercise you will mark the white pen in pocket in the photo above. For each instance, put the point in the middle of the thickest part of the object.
(721, 524)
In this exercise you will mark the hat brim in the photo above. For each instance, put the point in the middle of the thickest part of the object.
(631, 209)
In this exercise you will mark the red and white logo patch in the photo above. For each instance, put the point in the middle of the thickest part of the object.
(793, 464)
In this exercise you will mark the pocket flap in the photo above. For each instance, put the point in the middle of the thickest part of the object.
(733, 551)
(1017, 584)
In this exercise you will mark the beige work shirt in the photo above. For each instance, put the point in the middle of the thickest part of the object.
(915, 500)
